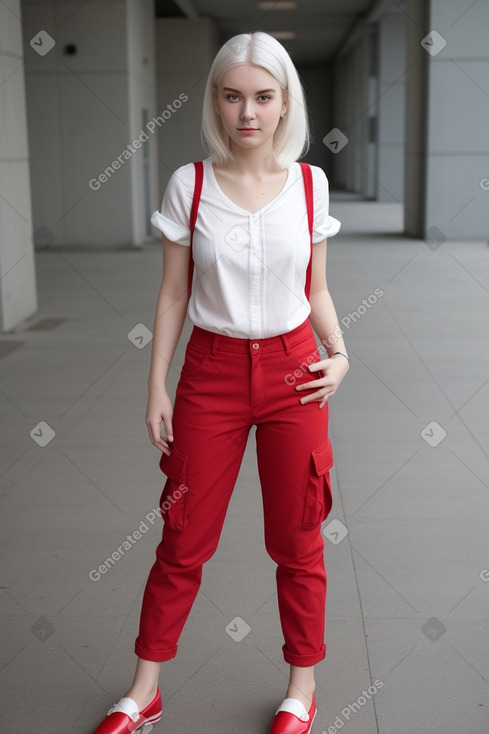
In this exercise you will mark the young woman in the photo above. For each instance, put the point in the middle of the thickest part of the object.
(258, 289)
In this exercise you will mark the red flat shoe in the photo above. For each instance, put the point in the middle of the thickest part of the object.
(291, 717)
(125, 718)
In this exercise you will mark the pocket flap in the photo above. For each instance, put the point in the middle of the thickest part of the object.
(175, 465)
(323, 457)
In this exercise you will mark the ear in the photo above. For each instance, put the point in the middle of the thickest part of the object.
(214, 100)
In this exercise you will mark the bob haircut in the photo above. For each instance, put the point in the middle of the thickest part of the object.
(292, 137)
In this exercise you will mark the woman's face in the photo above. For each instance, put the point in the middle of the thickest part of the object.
(249, 101)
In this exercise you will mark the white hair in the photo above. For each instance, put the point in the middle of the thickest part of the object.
(291, 139)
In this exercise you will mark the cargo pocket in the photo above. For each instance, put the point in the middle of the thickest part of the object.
(319, 499)
(173, 500)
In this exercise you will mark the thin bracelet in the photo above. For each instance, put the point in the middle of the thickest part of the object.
(342, 354)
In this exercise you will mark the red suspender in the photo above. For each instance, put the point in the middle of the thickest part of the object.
(307, 175)
(199, 177)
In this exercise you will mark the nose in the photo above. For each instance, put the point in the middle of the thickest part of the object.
(248, 110)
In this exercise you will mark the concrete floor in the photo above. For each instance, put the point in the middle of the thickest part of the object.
(408, 584)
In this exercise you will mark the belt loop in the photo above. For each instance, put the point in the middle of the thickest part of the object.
(215, 343)
(286, 342)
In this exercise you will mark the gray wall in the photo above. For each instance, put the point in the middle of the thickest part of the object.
(318, 90)
(448, 109)
(369, 93)
(351, 114)
(84, 110)
(416, 94)
(391, 108)
(18, 292)
(185, 50)
(142, 109)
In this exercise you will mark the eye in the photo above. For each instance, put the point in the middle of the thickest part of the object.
(232, 97)
(264, 97)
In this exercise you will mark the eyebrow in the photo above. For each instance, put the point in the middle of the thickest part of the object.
(262, 91)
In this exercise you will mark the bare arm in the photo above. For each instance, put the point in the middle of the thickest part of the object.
(324, 320)
(169, 318)
(325, 323)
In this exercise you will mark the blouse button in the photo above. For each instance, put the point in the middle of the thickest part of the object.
(256, 345)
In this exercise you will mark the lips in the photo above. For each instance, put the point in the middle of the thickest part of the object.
(247, 128)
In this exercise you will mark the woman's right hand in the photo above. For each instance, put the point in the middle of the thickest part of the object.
(159, 410)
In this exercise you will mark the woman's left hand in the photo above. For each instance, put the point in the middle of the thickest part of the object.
(333, 371)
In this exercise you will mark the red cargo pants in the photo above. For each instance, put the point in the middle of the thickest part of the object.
(227, 385)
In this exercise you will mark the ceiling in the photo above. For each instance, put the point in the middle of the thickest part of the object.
(320, 26)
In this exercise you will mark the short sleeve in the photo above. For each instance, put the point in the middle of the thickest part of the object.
(324, 225)
(174, 215)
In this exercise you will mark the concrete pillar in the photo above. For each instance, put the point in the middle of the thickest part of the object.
(447, 109)
(370, 94)
(144, 114)
(390, 133)
(342, 160)
(352, 128)
(349, 164)
(337, 165)
(357, 114)
(317, 86)
(18, 293)
(90, 90)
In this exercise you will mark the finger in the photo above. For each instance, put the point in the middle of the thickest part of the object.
(155, 435)
(316, 366)
(163, 446)
(310, 385)
(150, 432)
(167, 422)
(318, 395)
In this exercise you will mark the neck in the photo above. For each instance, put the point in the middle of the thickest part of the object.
(255, 162)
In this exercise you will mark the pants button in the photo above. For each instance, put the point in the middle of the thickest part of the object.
(255, 345)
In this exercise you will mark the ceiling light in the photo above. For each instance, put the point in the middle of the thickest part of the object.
(278, 5)
(282, 35)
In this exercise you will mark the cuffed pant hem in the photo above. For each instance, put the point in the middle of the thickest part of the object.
(304, 660)
(156, 656)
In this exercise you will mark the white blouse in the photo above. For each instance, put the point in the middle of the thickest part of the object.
(249, 269)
